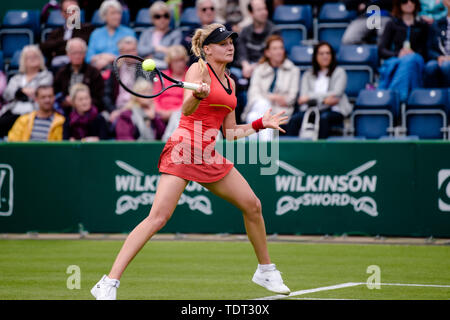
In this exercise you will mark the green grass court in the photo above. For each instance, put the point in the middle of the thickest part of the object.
(212, 270)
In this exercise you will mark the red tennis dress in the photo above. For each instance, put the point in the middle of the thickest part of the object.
(189, 153)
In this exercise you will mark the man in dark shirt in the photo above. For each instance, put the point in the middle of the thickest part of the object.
(78, 71)
(54, 48)
(252, 39)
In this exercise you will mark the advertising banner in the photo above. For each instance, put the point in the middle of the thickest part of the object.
(335, 188)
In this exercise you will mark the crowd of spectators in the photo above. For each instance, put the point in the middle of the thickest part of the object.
(65, 87)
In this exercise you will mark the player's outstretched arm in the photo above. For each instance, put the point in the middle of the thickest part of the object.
(232, 131)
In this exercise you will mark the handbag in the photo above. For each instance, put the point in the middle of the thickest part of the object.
(310, 130)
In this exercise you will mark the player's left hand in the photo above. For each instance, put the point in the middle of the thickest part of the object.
(273, 121)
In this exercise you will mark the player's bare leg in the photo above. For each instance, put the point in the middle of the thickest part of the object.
(235, 189)
(168, 193)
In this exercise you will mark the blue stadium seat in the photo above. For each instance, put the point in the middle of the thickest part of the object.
(426, 113)
(301, 56)
(359, 54)
(19, 28)
(13, 66)
(55, 20)
(142, 21)
(143, 18)
(336, 12)
(98, 22)
(332, 21)
(374, 113)
(360, 62)
(189, 19)
(294, 22)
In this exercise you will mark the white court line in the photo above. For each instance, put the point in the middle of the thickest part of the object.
(293, 298)
(347, 285)
(298, 293)
(416, 285)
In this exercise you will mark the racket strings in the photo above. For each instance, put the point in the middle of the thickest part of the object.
(139, 82)
(131, 74)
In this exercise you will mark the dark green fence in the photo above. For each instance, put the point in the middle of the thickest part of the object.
(368, 188)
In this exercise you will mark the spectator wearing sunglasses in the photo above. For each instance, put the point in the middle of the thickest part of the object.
(155, 41)
(206, 11)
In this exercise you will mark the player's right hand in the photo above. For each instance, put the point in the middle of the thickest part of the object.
(203, 91)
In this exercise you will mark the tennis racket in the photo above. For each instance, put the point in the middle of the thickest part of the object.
(132, 77)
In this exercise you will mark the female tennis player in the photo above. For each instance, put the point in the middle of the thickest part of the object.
(203, 112)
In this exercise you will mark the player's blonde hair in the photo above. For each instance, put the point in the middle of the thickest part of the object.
(197, 41)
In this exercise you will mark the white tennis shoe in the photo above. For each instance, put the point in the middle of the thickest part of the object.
(105, 289)
(271, 280)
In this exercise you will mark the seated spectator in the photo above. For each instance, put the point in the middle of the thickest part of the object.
(102, 48)
(235, 13)
(403, 45)
(432, 10)
(357, 31)
(437, 70)
(274, 84)
(325, 85)
(115, 97)
(84, 123)
(42, 125)
(78, 71)
(206, 12)
(154, 42)
(172, 100)
(139, 120)
(19, 93)
(54, 48)
(252, 39)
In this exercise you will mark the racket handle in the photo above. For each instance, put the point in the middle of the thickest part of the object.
(191, 86)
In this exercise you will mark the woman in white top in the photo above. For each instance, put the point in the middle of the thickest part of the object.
(323, 85)
(19, 93)
(274, 84)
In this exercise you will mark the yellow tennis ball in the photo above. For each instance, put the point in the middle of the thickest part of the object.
(148, 65)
